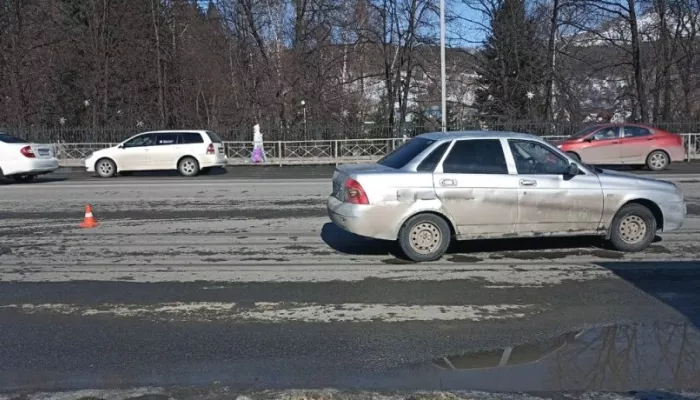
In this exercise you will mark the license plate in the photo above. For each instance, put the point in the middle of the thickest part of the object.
(221, 150)
(43, 152)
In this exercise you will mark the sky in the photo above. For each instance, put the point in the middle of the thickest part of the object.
(461, 33)
(466, 32)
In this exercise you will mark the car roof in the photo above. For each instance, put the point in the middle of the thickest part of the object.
(177, 131)
(477, 134)
(611, 124)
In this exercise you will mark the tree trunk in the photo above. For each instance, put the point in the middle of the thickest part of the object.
(551, 54)
(637, 63)
(159, 67)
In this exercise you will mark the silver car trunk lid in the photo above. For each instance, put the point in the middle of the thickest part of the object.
(345, 171)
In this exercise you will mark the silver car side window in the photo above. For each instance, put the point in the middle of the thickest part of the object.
(476, 156)
(533, 158)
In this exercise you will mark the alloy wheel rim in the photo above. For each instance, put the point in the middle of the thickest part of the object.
(105, 168)
(658, 160)
(188, 167)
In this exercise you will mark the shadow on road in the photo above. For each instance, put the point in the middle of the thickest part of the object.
(37, 181)
(349, 243)
(675, 283)
(173, 173)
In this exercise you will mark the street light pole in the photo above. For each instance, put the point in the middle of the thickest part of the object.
(306, 132)
(442, 66)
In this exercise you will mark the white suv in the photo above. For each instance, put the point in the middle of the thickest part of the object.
(189, 152)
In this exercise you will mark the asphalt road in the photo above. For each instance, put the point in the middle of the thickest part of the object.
(243, 283)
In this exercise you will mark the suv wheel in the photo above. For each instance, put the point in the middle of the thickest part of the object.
(188, 166)
(633, 228)
(106, 168)
(425, 237)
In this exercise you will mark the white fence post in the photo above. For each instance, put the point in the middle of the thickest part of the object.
(279, 153)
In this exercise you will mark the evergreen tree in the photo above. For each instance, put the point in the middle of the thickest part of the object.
(511, 66)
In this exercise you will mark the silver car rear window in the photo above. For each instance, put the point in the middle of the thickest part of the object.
(405, 153)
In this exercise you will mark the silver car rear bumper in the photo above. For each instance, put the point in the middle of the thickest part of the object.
(364, 220)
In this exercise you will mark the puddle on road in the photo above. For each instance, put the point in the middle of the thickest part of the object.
(614, 358)
(553, 255)
(611, 359)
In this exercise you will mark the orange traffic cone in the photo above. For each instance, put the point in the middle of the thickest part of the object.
(89, 220)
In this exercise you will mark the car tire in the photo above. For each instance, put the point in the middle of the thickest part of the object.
(633, 228)
(105, 168)
(188, 166)
(23, 178)
(573, 156)
(425, 237)
(657, 160)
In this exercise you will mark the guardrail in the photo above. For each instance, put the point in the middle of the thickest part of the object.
(309, 151)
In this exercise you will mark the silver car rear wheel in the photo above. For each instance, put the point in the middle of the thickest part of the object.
(425, 237)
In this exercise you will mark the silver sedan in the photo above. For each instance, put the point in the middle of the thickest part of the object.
(440, 187)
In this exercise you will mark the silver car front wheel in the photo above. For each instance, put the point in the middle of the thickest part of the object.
(633, 228)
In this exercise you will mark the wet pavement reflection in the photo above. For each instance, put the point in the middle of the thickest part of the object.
(613, 358)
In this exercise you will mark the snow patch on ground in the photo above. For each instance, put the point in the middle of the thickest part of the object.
(283, 312)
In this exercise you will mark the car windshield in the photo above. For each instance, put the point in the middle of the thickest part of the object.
(403, 154)
(5, 138)
(583, 132)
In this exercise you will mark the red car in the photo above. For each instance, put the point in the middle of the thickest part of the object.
(628, 144)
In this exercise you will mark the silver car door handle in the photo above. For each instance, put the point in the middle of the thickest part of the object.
(528, 182)
(448, 182)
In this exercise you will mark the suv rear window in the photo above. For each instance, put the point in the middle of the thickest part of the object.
(403, 154)
(5, 138)
(214, 137)
(191, 137)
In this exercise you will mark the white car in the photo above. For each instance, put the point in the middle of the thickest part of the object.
(189, 152)
(22, 160)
